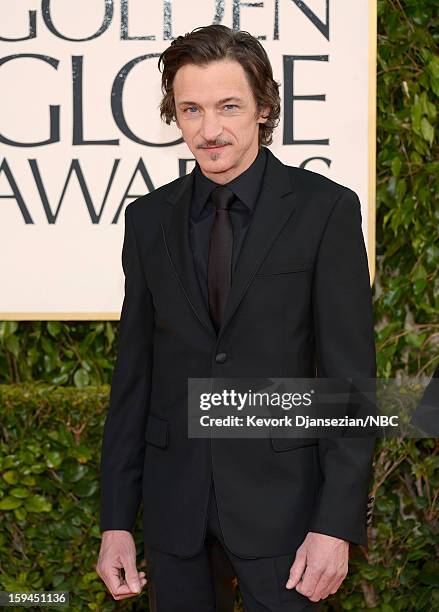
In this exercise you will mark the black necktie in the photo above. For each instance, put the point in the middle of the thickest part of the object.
(219, 270)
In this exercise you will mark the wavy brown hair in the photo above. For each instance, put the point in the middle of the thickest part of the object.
(217, 42)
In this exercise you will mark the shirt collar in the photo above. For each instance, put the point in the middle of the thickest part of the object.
(246, 186)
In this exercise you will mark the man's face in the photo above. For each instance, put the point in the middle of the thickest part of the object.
(216, 113)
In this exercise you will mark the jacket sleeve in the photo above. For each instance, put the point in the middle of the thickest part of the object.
(123, 444)
(345, 348)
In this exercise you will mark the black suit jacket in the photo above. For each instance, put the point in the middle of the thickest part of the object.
(299, 306)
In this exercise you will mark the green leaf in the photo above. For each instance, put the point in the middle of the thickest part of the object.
(419, 286)
(81, 378)
(53, 459)
(37, 503)
(82, 453)
(85, 488)
(19, 492)
(54, 328)
(7, 328)
(109, 333)
(396, 166)
(9, 503)
(427, 130)
(73, 472)
(420, 272)
(28, 480)
(20, 513)
(416, 115)
(12, 344)
(10, 477)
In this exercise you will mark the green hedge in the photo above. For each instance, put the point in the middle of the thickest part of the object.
(49, 540)
(407, 279)
(49, 508)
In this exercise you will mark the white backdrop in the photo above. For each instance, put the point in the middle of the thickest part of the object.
(71, 160)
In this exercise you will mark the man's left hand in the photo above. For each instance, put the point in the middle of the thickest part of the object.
(320, 566)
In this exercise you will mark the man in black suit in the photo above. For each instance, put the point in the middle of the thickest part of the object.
(245, 267)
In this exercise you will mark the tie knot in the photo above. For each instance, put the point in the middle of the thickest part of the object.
(222, 197)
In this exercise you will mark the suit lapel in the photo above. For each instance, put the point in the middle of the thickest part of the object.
(177, 243)
(275, 205)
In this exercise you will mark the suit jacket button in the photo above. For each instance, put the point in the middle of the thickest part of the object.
(221, 357)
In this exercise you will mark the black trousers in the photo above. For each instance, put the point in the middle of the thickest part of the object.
(205, 582)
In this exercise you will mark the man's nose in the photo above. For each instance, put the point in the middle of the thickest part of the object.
(211, 128)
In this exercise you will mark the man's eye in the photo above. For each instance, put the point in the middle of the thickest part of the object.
(189, 109)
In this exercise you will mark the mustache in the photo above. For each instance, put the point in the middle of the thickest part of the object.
(210, 145)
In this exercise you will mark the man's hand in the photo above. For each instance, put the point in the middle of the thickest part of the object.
(320, 566)
(118, 551)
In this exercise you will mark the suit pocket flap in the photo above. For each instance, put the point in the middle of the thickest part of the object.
(157, 431)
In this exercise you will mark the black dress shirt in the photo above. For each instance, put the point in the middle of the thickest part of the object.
(246, 187)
